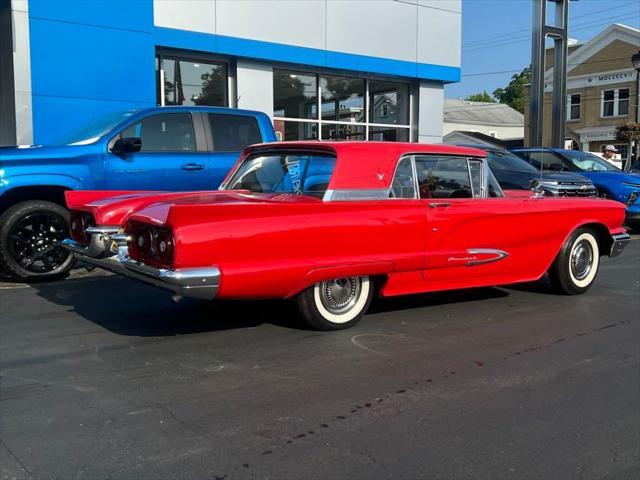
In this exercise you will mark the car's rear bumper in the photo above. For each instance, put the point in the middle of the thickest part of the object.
(201, 283)
(620, 241)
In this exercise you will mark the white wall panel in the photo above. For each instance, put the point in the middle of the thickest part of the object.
(381, 28)
(255, 86)
(292, 22)
(439, 37)
(452, 5)
(22, 73)
(193, 15)
(430, 108)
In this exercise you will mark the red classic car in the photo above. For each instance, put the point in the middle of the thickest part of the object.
(329, 224)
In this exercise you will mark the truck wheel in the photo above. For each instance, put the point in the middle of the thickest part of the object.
(30, 234)
(336, 304)
(575, 268)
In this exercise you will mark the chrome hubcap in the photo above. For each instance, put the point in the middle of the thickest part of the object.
(340, 295)
(581, 260)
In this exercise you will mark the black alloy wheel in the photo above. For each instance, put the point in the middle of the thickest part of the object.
(30, 237)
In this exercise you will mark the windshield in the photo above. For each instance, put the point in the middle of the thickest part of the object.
(92, 131)
(589, 162)
(508, 161)
(300, 174)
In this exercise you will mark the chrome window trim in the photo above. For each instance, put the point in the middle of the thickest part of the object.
(413, 172)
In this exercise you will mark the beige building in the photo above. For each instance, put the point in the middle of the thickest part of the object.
(601, 90)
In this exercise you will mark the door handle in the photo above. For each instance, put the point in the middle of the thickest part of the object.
(439, 205)
(192, 166)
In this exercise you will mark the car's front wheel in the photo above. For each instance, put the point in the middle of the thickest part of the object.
(30, 236)
(575, 268)
(336, 304)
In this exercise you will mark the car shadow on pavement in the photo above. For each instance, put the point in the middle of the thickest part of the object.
(408, 302)
(129, 308)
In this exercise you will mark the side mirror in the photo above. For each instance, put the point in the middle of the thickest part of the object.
(127, 145)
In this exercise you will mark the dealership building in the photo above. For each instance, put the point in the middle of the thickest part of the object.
(321, 69)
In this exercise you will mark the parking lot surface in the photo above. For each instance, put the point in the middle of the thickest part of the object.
(104, 377)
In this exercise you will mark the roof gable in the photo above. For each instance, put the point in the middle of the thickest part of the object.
(614, 32)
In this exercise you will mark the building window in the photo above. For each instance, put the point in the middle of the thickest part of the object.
(615, 103)
(187, 80)
(573, 107)
(623, 101)
(310, 106)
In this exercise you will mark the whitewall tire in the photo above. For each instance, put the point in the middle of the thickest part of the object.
(336, 304)
(576, 266)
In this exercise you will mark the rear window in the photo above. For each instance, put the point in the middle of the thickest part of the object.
(299, 174)
(232, 133)
(508, 161)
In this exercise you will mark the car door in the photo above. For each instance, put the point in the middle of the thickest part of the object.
(230, 134)
(472, 239)
(173, 155)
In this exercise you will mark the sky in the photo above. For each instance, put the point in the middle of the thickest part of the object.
(496, 37)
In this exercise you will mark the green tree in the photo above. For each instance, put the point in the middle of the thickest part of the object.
(513, 94)
(481, 97)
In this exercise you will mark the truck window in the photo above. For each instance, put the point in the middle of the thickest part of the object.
(232, 133)
(169, 132)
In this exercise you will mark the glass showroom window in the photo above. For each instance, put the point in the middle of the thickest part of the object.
(331, 107)
(191, 81)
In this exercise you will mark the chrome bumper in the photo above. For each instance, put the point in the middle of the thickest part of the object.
(201, 283)
(620, 241)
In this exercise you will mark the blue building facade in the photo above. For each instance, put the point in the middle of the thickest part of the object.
(321, 69)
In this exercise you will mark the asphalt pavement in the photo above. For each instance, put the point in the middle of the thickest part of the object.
(103, 377)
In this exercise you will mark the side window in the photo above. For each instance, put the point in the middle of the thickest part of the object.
(403, 185)
(170, 132)
(443, 177)
(232, 133)
(549, 161)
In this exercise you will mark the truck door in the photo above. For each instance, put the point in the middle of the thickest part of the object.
(173, 155)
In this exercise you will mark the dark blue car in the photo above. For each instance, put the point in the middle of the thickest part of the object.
(610, 181)
(512, 172)
(161, 148)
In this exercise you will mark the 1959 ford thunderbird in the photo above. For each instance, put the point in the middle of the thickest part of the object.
(329, 224)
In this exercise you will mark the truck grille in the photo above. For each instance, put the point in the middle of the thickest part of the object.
(565, 191)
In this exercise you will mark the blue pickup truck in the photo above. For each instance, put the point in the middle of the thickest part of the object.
(162, 148)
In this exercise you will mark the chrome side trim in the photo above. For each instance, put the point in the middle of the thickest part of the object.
(620, 241)
(356, 195)
(499, 255)
(200, 283)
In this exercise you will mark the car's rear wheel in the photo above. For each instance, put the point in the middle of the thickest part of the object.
(30, 236)
(576, 266)
(336, 304)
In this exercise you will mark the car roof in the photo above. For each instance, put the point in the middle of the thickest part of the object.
(201, 108)
(367, 165)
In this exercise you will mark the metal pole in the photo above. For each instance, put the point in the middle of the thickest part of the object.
(560, 41)
(536, 109)
(559, 118)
